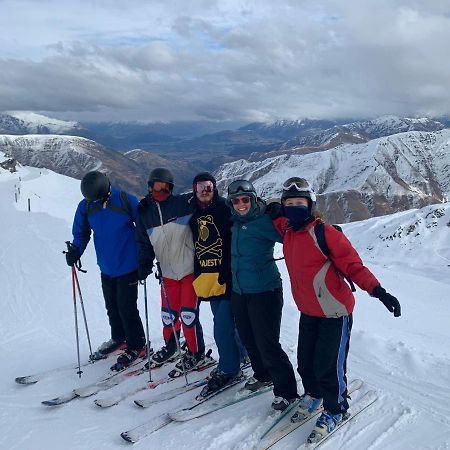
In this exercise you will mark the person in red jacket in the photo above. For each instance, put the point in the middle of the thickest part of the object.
(325, 302)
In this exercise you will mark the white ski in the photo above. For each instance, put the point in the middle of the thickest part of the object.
(271, 436)
(356, 408)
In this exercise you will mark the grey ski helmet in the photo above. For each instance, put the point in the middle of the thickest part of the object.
(160, 174)
(95, 186)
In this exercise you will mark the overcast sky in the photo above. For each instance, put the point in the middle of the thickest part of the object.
(231, 60)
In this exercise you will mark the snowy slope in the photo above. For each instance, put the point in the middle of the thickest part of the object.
(407, 360)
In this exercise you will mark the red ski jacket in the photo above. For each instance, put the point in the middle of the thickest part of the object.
(317, 286)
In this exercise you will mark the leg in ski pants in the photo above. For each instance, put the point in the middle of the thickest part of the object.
(120, 294)
(226, 336)
(323, 345)
(258, 320)
(183, 305)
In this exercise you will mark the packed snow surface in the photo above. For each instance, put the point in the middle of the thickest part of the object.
(406, 360)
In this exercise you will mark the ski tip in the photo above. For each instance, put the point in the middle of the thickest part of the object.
(138, 403)
(52, 402)
(25, 381)
(125, 436)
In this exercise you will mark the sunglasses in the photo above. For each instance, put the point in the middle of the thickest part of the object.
(237, 200)
(204, 186)
(240, 186)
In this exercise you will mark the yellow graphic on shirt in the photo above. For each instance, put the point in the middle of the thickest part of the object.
(209, 242)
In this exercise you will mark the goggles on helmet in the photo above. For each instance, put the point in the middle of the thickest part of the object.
(240, 186)
(300, 186)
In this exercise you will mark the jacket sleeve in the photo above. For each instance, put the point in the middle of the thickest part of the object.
(146, 254)
(269, 230)
(81, 230)
(347, 261)
(280, 224)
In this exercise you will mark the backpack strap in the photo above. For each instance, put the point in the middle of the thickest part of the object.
(126, 203)
(319, 231)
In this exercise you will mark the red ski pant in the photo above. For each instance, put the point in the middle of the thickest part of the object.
(181, 306)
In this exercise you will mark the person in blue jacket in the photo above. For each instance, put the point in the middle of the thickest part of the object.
(257, 294)
(110, 214)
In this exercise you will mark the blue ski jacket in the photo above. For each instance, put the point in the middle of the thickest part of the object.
(253, 239)
(113, 226)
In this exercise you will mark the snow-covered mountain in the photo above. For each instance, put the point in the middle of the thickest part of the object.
(360, 131)
(405, 360)
(355, 182)
(25, 122)
(74, 156)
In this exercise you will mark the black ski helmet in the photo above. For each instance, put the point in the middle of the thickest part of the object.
(298, 187)
(239, 187)
(160, 174)
(95, 186)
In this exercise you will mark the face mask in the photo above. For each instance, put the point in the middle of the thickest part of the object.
(160, 196)
(297, 215)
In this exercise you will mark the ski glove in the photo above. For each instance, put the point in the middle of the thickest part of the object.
(388, 300)
(144, 270)
(72, 255)
(274, 210)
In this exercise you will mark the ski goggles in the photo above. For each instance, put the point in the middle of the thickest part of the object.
(204, 186)
(161, 186)
(301, 186)
(244, 199)
(240, 186)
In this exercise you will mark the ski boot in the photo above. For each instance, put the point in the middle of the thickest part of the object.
(281, 403)
(306, 406)
(128, 357)
(192, 361)
(253, 384)
(218, 382)
(325, 424)
(108, 347)
(167, 353)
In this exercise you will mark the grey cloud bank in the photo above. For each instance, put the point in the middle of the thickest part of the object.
(252, 60)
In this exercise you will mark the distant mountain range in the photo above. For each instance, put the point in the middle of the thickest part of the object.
(262, 152)
(358, 181)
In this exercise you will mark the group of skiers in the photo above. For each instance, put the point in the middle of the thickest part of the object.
(220, 250)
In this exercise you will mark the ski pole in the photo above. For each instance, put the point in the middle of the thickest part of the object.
(166, 298)
(91, 355)
(146, 329)
(76, 321)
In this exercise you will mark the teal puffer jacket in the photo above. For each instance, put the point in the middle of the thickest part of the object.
(252, 241)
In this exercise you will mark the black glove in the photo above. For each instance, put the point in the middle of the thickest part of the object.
(388, 300)
(72, 254)
(274, 210)
(144, 270)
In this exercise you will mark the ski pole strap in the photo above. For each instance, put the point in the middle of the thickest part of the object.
(77, 264)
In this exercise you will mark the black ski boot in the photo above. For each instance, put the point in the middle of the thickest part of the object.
(108, 347)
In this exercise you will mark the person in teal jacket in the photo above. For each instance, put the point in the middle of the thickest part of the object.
(257, 294)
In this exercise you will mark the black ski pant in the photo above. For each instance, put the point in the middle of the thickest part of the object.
(258, 320)
(120, 295)
(322, 351)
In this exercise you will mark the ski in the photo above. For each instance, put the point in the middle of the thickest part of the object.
(191, 411)
(115, 399)
(356, 408)
(33, 379)
(145, 403)
(105, 382)
(270, 436)
(136, 434)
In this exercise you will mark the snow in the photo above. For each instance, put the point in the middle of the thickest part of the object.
(35, 121)
(406, 360)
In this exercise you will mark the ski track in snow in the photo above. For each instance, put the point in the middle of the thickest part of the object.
(406, 360)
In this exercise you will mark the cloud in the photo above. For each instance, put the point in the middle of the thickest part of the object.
(229, 60)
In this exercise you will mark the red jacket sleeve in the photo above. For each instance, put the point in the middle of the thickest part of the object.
(347, 261)
(280, 224)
